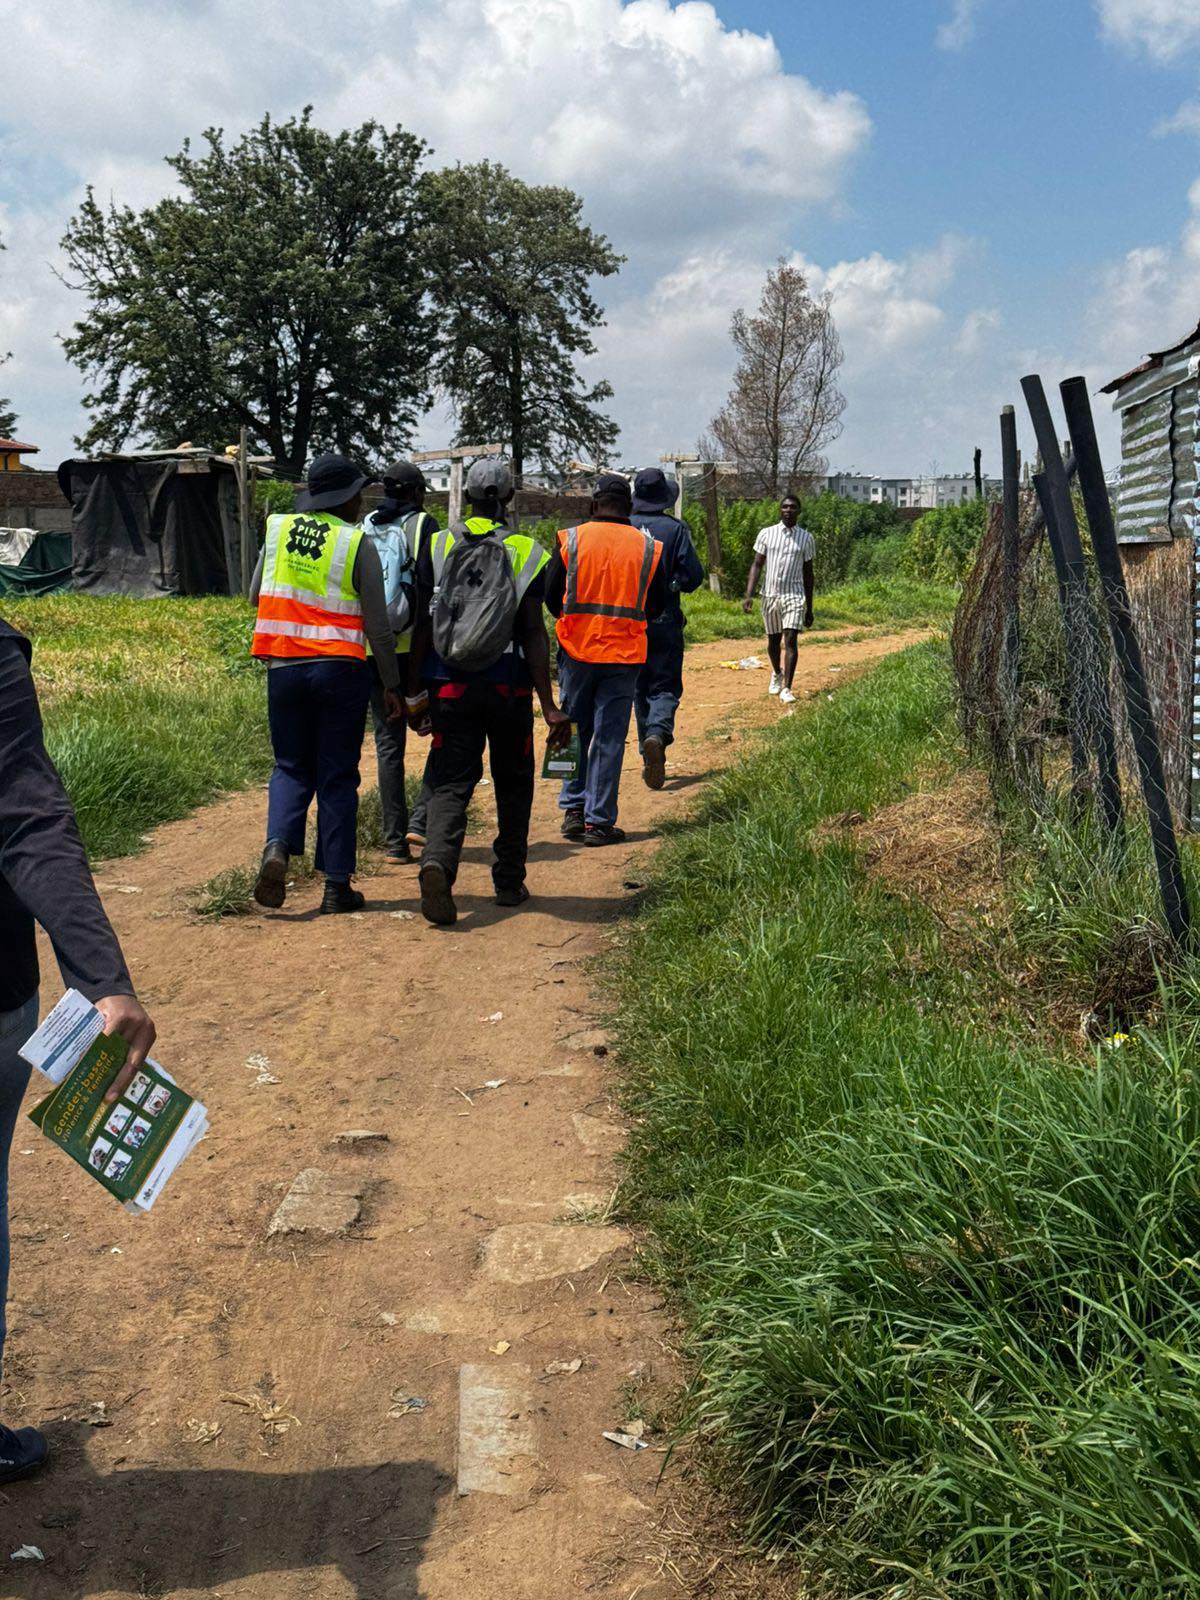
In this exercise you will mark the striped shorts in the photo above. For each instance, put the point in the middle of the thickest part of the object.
(783, 612)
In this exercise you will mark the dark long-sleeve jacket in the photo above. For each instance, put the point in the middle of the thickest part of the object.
(680, 565)
(44, 873)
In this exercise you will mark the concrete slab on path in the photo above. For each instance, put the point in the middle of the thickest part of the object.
(318, 1202)
(528, 1252)
(496, 1451)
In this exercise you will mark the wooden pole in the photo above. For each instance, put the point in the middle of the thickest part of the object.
(1010, 456)
(1128, 651)
(456, 490)
(1085, 663)
(712, 523)
(245, 522)
(1076, 711)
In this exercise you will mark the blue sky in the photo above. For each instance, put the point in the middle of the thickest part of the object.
(984, 186)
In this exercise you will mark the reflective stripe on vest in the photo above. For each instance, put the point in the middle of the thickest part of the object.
(574, 607)
(609, 567)
(308, 605)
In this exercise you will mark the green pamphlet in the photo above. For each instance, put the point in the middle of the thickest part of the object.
(132, 1146)
(562, 760)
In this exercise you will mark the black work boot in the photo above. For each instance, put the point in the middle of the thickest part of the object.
(437, 902)
(513, 894)
(341, 897)
(22, 1452)
(654, 762)
(270, 889)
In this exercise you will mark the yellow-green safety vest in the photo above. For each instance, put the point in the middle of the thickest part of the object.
(307, 603)
(526, 555)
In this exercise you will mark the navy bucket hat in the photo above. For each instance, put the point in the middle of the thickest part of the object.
(653, 490)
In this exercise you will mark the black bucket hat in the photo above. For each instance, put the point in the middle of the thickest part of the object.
(332, 480)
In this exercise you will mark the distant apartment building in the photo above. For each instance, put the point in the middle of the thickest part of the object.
(925, 494)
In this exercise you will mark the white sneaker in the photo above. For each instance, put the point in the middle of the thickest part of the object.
(776, 684)
(786, 697)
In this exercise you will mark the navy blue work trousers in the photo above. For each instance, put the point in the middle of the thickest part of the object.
(318, 715)
(598, 697)
(660, 682)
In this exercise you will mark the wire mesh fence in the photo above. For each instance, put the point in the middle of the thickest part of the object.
(1058, 696)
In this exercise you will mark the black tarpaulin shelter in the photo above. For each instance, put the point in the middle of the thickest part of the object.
(154, 525)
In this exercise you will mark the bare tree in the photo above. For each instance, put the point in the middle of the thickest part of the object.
(785, 405)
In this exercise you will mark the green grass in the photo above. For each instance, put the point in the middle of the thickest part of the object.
(940, 1282)
(151, 707)
(872, 602)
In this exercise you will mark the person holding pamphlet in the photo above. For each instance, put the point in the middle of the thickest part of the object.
(45, 878)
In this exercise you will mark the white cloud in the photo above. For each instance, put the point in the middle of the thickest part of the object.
(1163, 28)
(908, 365)
(677, 129)
(1148, 298)
(1185, 120)
(959, 28)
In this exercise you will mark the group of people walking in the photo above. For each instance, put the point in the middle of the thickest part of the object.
(440, 633)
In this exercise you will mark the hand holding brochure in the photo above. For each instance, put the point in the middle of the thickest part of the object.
(130, 1147)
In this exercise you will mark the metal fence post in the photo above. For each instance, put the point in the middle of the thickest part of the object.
(1129, 656)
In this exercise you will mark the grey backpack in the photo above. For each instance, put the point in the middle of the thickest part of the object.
(473, 612)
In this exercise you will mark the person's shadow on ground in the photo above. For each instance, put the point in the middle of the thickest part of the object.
(158, 1530)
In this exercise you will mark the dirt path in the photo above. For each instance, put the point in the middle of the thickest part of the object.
(230, 1410)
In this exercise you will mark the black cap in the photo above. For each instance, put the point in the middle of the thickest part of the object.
(405, 475)
(612, 486)
(332, 480)
(653, 490)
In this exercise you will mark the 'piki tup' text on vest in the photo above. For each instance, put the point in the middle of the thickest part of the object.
(308, 605)
(610, 567)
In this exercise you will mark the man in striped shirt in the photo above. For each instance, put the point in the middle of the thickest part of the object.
(787, 551)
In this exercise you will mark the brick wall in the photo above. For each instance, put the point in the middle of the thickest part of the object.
(33, 500)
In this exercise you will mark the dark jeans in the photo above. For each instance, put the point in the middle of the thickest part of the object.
(15, 1028)
(390, 740)
(318, 715)
(660, 683)
(466, 717)
(418, 822)
(598, 696)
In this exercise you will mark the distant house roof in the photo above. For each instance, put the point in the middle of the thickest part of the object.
(1153, 360)
(12, 446)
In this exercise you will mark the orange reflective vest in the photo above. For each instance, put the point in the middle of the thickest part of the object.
(610, 567)
(307, 603)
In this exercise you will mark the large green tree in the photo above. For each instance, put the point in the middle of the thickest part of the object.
(283, 288)
(513, 266)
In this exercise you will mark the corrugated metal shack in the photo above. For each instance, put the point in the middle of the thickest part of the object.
(1158, 526)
